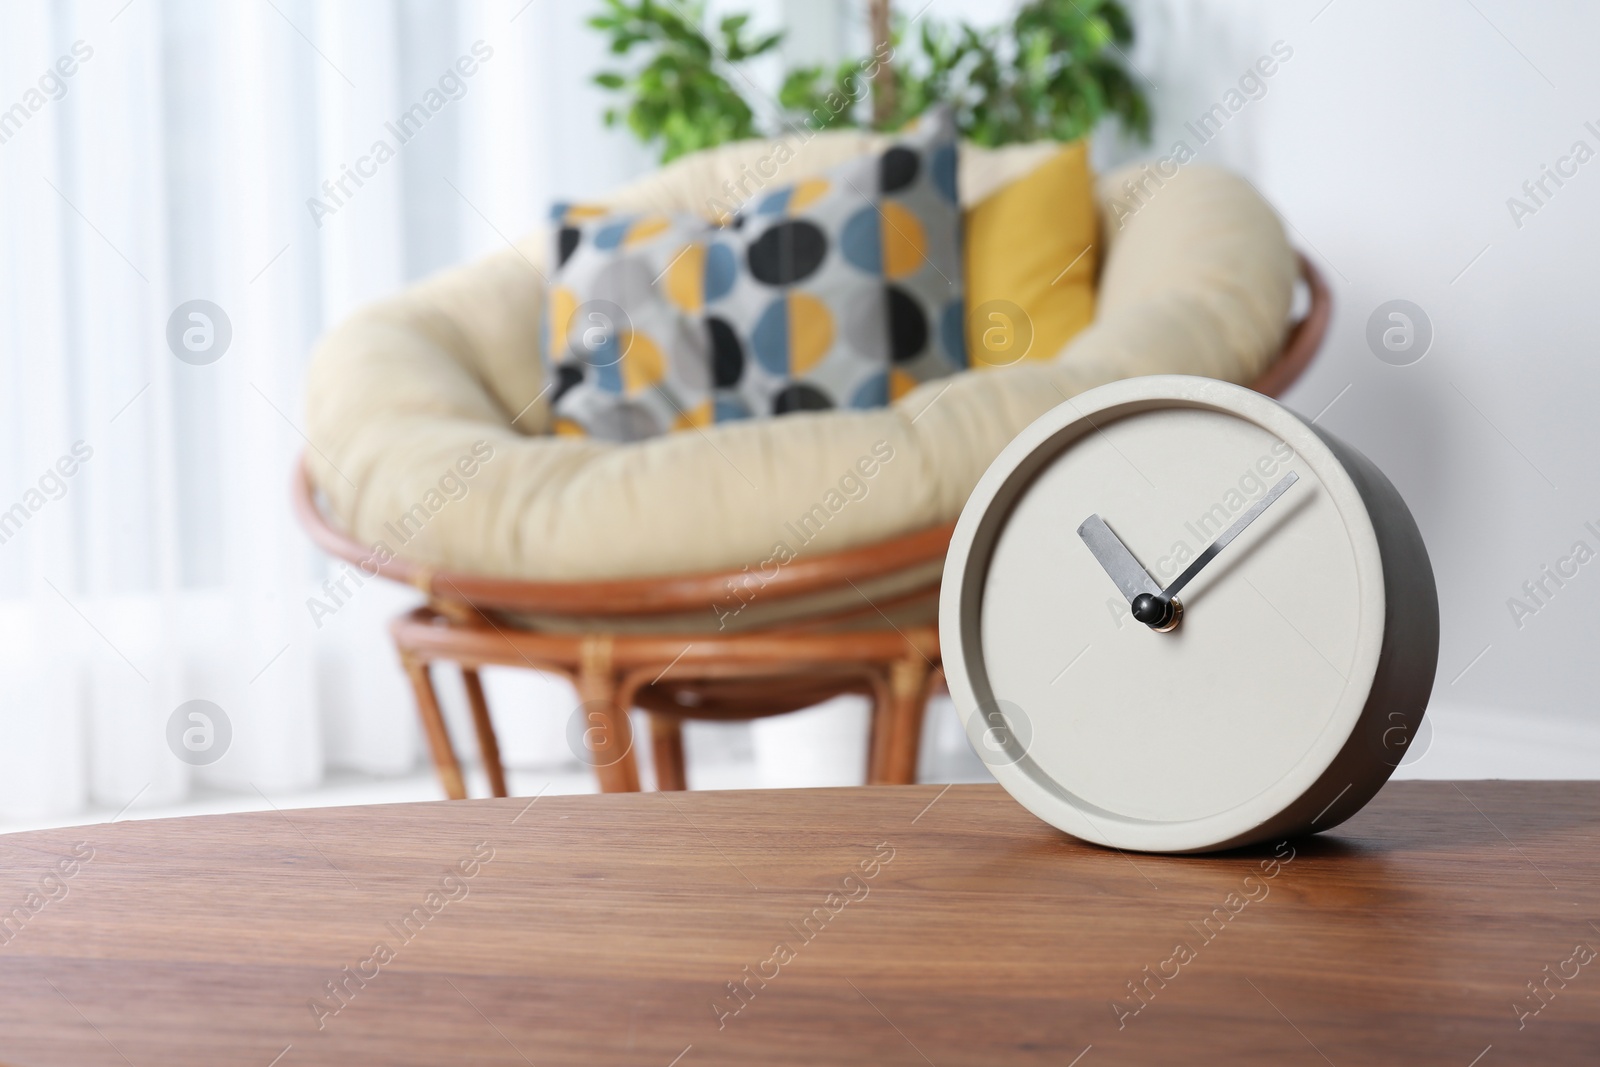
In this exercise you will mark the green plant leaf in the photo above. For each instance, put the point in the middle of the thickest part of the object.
(1056, 69)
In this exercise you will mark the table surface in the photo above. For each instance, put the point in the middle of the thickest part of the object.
(890, 925)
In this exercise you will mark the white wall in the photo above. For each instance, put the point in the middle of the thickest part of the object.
(1390, 142)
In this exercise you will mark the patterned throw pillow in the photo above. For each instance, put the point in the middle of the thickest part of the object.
(623, 323)
(839, 291)
(835, 292)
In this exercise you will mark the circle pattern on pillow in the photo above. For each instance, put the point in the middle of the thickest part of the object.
(905, 246)
(839, 290)
(686, 278)
(722, 269)
(874, 247)
(898, 169)
(788, 252)
(793, 335)
(800, 397)
(861, 240)
(727, 354)
(623, 330)
(908, 326)
(647, 228)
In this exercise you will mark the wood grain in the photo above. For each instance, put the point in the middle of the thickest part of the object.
(604, 929)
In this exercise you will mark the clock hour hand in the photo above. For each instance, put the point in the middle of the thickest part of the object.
(1131, 578)
(1229, 534)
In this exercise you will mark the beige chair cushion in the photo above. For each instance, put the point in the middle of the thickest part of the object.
(1198, 281)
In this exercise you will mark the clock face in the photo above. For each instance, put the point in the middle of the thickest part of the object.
(1157, 727)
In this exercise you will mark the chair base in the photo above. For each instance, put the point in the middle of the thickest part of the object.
(709, 677)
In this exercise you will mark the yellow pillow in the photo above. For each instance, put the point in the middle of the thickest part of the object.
(1031, 260)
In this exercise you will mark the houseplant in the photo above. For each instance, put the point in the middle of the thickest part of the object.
(1054, 70)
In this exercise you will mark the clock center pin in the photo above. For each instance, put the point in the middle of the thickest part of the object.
(1158, 613)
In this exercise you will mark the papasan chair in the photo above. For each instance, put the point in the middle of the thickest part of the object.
(620, 565)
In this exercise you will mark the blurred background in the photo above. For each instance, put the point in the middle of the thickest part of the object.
(1407, 149)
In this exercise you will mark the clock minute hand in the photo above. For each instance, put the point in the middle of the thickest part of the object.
(1228, 535)
(1131, 578)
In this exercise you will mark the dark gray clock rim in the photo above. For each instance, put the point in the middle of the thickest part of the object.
(1408, 652)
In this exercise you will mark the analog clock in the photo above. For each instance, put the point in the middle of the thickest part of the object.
(1177, 617)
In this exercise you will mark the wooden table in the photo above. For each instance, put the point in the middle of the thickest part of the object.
(920, 924)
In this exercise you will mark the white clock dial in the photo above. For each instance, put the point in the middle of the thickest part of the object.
(1250, 702)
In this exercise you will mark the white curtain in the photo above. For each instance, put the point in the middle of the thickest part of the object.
(175, 163)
